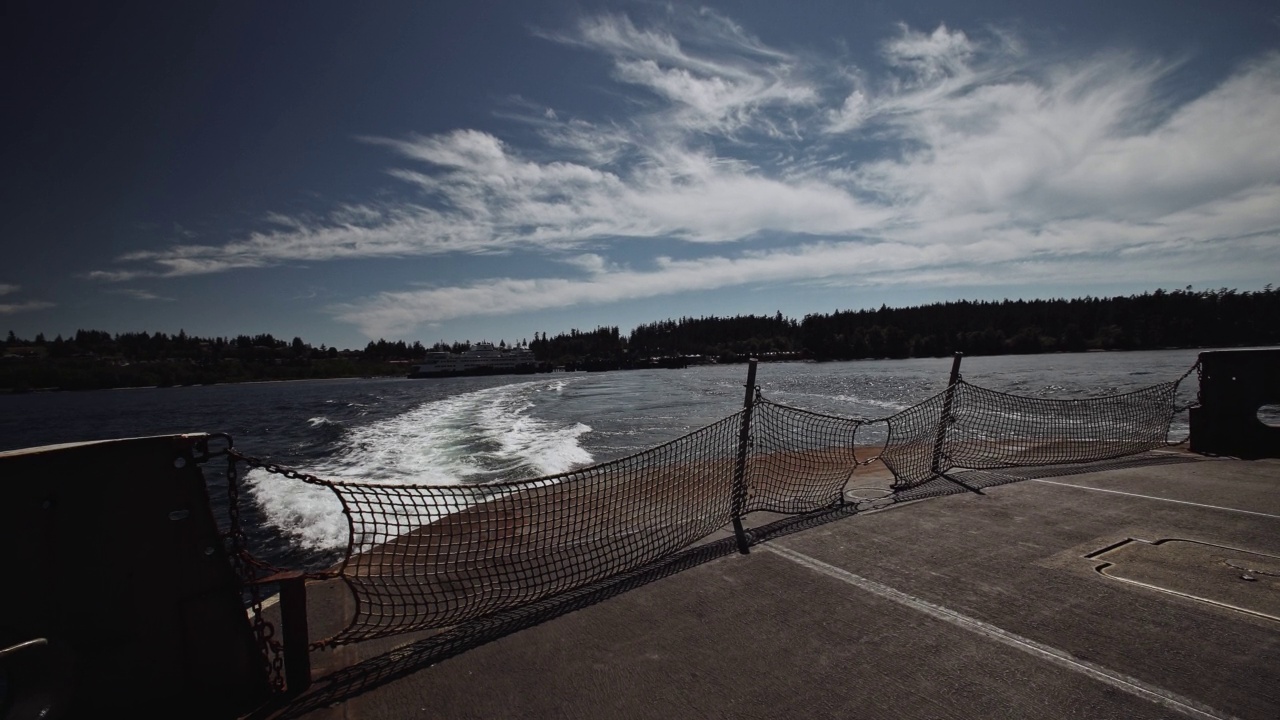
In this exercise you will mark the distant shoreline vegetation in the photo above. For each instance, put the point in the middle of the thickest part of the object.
(93, 359)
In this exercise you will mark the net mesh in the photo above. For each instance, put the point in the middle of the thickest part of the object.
(967, 426)
(800, 460)
(422, 557)
(432, 556)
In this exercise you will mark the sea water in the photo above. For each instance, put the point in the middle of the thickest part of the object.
(468, 430)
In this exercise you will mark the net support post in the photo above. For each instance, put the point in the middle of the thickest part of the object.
(945, 418)
(294, 630)
(740, 467)
(293, 616)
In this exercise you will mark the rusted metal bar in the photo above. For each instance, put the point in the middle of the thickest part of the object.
(740, 469)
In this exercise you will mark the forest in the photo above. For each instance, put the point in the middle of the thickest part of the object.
(1183, 318)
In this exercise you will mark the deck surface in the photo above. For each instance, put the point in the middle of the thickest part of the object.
(1134, 589)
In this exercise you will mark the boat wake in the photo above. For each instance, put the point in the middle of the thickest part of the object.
(476, 437)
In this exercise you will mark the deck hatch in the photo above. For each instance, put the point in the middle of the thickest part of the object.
(1228, 577)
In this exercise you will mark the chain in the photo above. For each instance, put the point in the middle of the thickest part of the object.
(1198, 369)
(275, 469)
(1199, 382)
(234, 455)
(873, 458)
(248, 567)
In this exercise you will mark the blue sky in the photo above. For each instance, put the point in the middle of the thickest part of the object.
(488, 170)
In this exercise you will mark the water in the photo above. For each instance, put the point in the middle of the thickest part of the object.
(463, 430)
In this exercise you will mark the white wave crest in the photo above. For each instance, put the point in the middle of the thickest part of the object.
(479, 436)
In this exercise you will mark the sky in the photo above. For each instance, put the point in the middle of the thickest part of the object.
(445, 171)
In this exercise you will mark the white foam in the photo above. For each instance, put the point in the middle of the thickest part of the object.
(310, 514)
(474, 437)
(524, 440)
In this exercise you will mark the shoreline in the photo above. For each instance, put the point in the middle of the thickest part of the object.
(45, 390)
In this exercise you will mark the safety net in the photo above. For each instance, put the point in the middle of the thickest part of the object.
(432, 556)
(967, 426)
(799, 460)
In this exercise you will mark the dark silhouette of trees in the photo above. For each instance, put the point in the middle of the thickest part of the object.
(1153, 320)
(601, 349)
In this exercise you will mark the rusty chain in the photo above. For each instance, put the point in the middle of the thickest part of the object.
(275, 469)
(1198, 369)
(250, 569)
(234, 456)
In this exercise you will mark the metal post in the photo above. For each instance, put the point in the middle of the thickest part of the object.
(740, 469)
(293, 617)
(945, 418)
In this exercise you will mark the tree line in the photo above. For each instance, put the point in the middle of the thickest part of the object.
(1152, 320)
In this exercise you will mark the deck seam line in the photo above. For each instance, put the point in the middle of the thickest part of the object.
(1117, 680)
(1154, 497)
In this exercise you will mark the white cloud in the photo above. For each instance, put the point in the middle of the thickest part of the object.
(137, 294)
(589, 263)
(118, 275)
(931, 58)
(14, 308)
(29, 306)
(714, 76)
(960, 159)
(1017, 258)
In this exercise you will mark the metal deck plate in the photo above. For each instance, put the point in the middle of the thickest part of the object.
(1228, 577)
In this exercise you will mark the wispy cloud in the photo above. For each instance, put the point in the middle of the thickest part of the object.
(960, 158)
(138, 294)
(14, 308)
(22, 307)
(709, 72)
(1014, 258)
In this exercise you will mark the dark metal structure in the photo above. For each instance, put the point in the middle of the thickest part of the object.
(118, 596)
(1234, 384)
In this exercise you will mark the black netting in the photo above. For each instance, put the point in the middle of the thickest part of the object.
(967, 426)
(800, 460)
(432, 556)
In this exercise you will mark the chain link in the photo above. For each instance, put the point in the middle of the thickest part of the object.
(247, 558)
(1200, 382)
(275, 469)
(250, 569)
(1198, 369)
